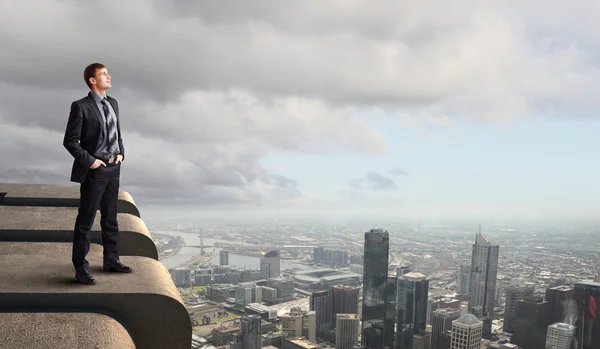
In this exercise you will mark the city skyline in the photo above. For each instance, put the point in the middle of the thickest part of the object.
(411, 110)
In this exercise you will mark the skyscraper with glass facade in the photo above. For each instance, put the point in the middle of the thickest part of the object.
(374, 307)
(411, 305)
(482, 291)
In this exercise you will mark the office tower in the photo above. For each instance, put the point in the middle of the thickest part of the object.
(484, 269)
(318, 254)
(441, 321)
(344, 300)
(444, 340)
(587, 296)
(346, 334)
(467, 332)
(463, 279)
(422, 341)
(249, 336)
(390, 314)
(299, 323)
(223, 257)
(411, 305)
(284, 287)
(431, 306)
(500, 290)
(560, 336)
(531, 323)
(245, 293)
(269, 265)
(513, 295)
(376, 253)
(321, 303)
(558, 299)
(405, 269)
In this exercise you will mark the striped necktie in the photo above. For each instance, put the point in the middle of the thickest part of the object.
(111, 126)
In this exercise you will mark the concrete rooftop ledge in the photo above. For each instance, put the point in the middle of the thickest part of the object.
(55, 224)
(62, 331)
(39, 276)
(14, 194)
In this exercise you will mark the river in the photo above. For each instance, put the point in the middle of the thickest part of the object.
(192, 239)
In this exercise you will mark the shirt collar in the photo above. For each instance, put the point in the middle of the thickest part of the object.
(97, 97)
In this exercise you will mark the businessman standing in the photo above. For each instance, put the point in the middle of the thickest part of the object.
(93, 137)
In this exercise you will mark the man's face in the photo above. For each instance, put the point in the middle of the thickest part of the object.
(102, 79)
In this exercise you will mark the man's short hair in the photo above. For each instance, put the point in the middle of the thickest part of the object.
(90, 72)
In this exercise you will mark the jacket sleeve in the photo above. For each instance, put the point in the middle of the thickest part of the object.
(73, 137)
(121, 147)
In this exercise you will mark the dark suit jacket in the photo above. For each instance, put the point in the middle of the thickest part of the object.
(83, 135)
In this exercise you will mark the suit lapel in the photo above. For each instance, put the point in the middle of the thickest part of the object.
(94, 107)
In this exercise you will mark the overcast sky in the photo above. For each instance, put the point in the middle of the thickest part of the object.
(405, 108)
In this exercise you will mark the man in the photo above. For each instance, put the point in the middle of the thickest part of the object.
(93, 137)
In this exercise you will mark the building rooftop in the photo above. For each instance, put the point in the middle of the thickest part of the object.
(41, 304)
(468, 319)
(413, 276)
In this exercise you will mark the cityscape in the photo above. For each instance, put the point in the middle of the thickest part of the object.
(312, 174)
(297, 285)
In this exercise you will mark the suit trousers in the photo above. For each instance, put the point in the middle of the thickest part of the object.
(100, 189)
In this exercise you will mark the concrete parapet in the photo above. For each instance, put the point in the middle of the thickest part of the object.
(62, 331)
(39, 277)
(55, 224)
(14, 194)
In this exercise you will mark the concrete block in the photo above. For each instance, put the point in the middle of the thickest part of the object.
(55, 224)
(62, 331)
(15, 194)
(39, 276)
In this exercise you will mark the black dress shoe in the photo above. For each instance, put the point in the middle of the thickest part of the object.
(85, 278)
(118, 267)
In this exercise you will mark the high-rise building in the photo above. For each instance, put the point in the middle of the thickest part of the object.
(484, 269)
(441, 321)
(390, 314)
(587, 297)
(223, 257)
(463, 279)
(560, 336)
(467, 332)
(245, 293)
(422, 341)
(249, 336)
(269, 265)
(404, 269)
(431, 306)
(531, 323)
(298, 323)
(344, 300)
(318, 254)
(346, 334)
(329, 256)
(559, 299)
(411, 305)
(514, 294)
(321, 303)
(374, 307)
(444, 340)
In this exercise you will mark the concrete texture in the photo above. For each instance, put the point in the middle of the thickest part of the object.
(39, 276)
(62, 331)
(55, 224)
(14, 194)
